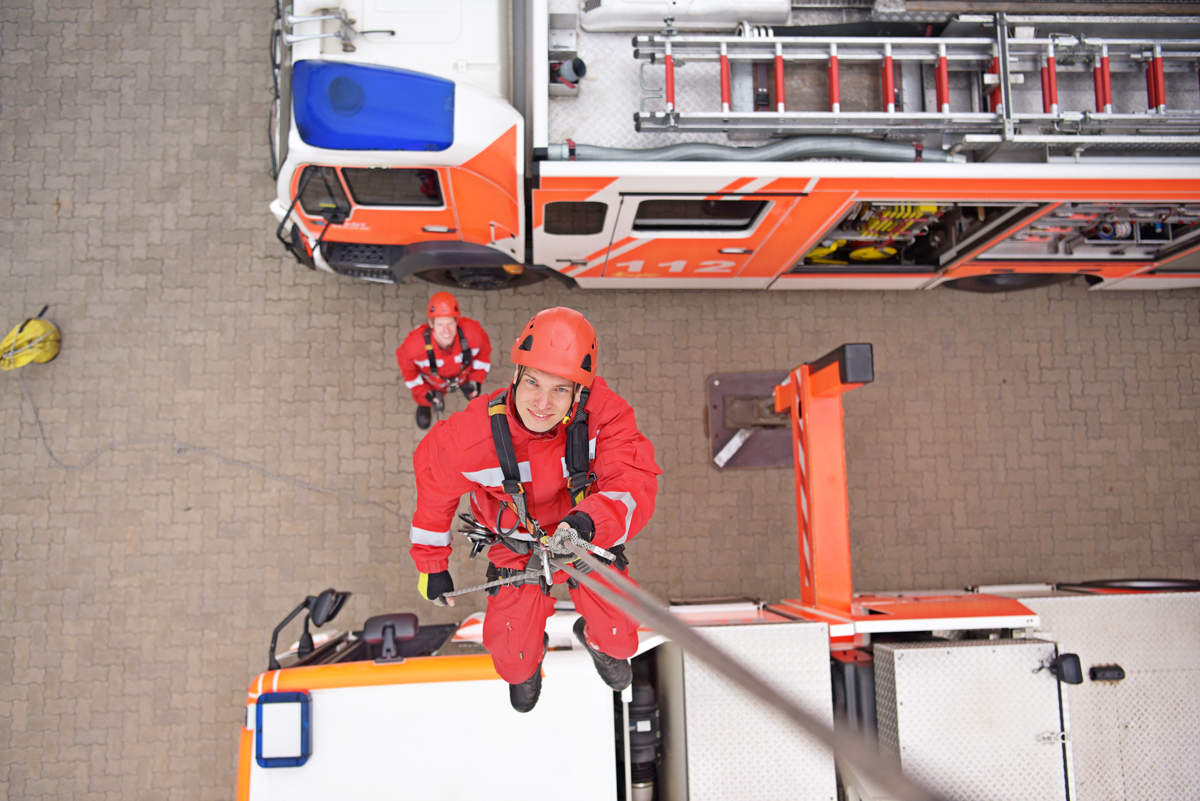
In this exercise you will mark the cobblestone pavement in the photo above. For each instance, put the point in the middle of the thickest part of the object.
(1049, 435)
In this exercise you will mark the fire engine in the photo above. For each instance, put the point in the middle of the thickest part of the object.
(734, 144)
(1083, 691)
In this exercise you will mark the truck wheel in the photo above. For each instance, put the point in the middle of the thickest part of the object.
(480, 278)
(1136, 585)
(1008, 282)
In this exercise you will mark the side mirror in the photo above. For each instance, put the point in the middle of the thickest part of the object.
(1067, 668)
(389, 630)
(321, 609)
(326, 606)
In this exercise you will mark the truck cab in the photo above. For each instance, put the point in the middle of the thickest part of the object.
(397, 150)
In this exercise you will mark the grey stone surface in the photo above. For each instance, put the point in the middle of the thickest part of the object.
(1048, 435)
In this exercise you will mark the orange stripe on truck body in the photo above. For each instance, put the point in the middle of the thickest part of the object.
(415, 670)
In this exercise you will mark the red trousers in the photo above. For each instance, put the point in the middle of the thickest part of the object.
(516, 620)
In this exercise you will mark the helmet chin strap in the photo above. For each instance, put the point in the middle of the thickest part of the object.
(576, 391)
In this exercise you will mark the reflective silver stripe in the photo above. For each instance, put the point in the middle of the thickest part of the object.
(478, 365)
(420, 536)
(494, 476)
(457, 358)
(416, 382)
(591, 455)
(630, 505)
(425, 362)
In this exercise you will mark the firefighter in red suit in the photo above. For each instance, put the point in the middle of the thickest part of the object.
(608, 497)
(432, 357)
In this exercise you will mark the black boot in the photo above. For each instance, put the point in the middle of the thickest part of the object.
(424, 417)
(616, 673)
(524, 696)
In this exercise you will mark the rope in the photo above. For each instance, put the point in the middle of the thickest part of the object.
(523, 576)
(183, 447)
(645, 608)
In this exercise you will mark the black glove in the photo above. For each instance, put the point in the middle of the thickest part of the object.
(582, 524)
(470, 389)
(436, 399)
(432, 586)
(583, 527)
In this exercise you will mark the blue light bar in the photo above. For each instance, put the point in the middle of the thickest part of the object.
(355, 107)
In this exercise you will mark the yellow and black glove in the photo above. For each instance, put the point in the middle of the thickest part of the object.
(433, 587)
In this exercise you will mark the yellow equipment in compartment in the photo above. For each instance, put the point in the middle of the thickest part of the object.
(35, 340)
(873, 253)
(892, 219)
(820, 255)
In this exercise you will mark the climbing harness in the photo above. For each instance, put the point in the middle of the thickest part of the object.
(545, 550)
(34, 340)
(467, 356)
(578, 459)
(438, 403)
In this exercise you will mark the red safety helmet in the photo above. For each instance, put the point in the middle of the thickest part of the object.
(559, 341)
(443, 304)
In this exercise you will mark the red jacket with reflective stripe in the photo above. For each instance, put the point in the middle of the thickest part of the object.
(458, 456)
(414, 359)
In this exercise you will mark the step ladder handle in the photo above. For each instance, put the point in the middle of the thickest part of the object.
(1107, 75)
(835, 90)
(889, 80)
(1049, 82)
(943, 81)
(1160, 85)
(779, 88)
(669, 88)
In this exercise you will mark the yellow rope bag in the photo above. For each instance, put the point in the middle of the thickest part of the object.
(35, 340)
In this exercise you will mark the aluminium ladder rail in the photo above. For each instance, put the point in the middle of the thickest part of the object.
(1001, 61)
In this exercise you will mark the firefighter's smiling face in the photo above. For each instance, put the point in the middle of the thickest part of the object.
(543, 399)
(445, 329)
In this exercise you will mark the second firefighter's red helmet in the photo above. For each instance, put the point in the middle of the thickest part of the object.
(559, 341)
(443, 304)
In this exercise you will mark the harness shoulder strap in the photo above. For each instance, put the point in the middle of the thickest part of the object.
(578, 456)
(429, 353)
(467, 354)
(507, 456)
(502, 438)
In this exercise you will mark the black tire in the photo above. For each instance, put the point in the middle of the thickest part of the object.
(1008, 282)
(480, 278)
(1139, 585)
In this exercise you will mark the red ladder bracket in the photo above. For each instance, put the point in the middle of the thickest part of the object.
(813, 395)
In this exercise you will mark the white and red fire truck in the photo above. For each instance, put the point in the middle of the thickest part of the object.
(734, 144)
(1084, 691)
